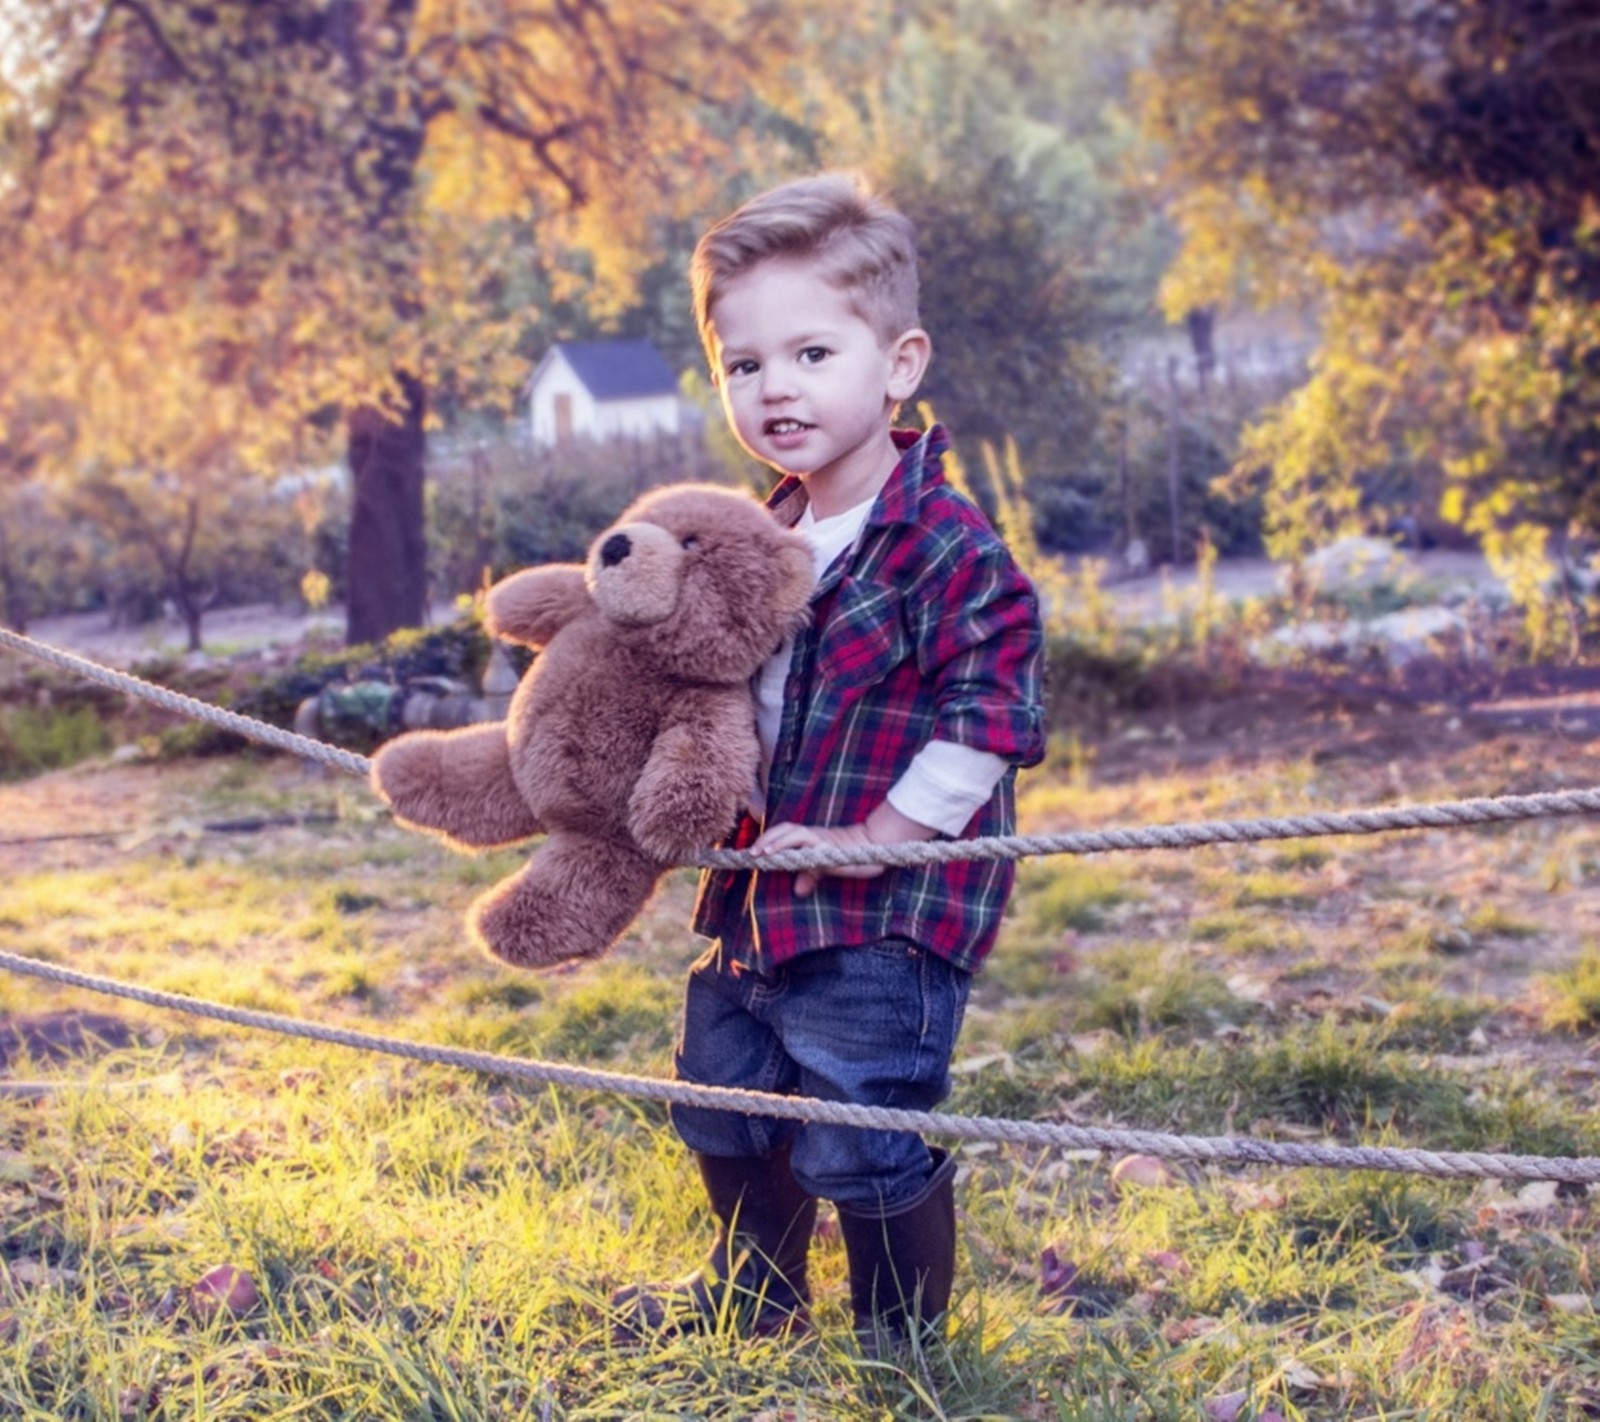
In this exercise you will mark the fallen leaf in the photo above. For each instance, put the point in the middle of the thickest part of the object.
(1140, 1172)
(1249, 1195)
(136, 1401)
(1569, 1303)
(1056, 1275)
(1249, 988)
(36, 1274)
(1226, 1407)
(970, 1066)
(224, 1290)
(1298, 1375)
(1090, 1044)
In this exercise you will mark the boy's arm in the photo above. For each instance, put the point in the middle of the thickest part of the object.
(979, 643)
(885, 825)
(946, 784)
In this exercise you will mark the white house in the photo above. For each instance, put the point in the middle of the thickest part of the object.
(601, 390)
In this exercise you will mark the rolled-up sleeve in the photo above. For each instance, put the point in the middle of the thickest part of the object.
(980, 645)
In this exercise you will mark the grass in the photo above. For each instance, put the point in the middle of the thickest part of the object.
(1570, 1000)
(432, 1244)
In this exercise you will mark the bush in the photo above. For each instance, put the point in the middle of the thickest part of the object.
(499, 506)
(34, 738)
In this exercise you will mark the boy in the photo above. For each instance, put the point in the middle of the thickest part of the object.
(897, 713)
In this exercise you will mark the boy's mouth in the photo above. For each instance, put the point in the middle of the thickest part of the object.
(785, 427)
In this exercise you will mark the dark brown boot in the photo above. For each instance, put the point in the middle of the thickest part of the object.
(902, 1260)
(755, 1274)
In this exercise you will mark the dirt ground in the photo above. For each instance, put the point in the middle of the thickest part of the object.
(1275, 717)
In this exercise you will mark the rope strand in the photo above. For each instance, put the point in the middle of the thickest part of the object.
(1216, 1150)
(1445, 814)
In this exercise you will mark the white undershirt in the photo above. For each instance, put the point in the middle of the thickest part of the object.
(946, 782)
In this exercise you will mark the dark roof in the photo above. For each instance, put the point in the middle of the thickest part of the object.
(615, 370)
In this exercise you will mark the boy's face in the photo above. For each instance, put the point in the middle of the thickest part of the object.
(807, 384)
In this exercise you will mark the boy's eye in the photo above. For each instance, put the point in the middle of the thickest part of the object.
(812, 354)
(742, 367)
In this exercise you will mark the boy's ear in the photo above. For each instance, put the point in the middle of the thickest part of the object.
(908, 362)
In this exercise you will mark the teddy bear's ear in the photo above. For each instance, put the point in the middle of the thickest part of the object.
(532, 606)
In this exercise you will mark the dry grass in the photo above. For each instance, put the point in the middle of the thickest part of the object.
(434, 1245)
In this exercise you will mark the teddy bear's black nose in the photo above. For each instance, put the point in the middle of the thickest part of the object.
(614, 550)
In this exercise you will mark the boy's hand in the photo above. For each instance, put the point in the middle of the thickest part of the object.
(885, 825)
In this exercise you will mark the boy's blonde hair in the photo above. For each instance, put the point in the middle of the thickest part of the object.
(864, 247)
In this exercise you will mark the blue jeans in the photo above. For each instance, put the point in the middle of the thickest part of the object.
(873, 1025)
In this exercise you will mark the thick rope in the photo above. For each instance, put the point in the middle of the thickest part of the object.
(1216, 1150)
(1376, 820)
(246, 726)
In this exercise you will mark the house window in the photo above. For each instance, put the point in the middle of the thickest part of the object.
(563, 413)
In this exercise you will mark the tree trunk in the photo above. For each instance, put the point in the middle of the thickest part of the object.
(192, 613)
(386, 570)
(13, 589)
(187, 595)
(1174, 475)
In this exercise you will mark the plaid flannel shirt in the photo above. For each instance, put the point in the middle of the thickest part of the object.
(926, 629)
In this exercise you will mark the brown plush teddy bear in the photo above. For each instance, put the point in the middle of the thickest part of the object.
(631, 741)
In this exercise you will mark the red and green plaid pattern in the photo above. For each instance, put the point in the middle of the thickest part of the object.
(926, 630)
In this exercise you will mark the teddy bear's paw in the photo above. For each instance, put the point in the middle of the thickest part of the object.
(676, 809)
(457, 784)
(679, 838)
(573, 899)
(402, 768)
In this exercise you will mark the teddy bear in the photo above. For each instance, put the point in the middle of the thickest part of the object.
(630, 742)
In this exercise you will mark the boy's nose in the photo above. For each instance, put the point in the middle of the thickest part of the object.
(777, 385)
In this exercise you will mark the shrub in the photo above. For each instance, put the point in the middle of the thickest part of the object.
(36, 738)
(1569, 1001)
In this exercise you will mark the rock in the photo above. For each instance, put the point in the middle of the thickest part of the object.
(1396, 637)
(1354, 563)
(1404, 636)
(1283, 643)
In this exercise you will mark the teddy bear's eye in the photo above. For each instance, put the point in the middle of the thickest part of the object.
(689, 542)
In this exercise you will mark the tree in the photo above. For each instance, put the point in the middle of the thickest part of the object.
(1426, 176)
(236, 229)
(1001, 128)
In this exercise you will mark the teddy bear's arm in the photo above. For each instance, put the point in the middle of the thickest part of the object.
(532, 606)
(457, 784)
(701, 768)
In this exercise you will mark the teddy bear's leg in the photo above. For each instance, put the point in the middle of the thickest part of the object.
(456, 783)
(573, 899)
